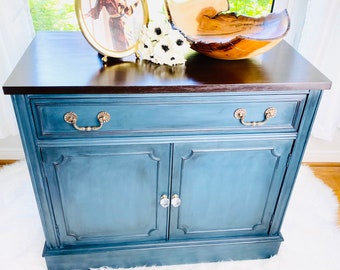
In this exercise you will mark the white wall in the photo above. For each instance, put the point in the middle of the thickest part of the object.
(16, 32)
(315, 33)
(319, 150)
(11, 148)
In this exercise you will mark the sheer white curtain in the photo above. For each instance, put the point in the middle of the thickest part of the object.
(322, 27)
(16, 32)
(315, 33)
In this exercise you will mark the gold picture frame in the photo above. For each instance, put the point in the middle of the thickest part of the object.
(112, 27)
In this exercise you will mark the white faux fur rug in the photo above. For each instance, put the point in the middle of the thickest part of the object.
(312, 238)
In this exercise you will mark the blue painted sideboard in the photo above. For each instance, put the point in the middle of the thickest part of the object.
(135, 164)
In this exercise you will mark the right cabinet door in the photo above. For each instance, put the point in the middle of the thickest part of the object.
(227, 188)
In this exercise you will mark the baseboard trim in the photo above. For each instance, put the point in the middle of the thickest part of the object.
(11, 154)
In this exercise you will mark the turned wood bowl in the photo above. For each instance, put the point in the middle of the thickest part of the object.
(217, 33)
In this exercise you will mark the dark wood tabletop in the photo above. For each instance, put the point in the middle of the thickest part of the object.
(64, 62)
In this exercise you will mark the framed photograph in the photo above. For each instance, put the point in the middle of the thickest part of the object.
(112, 27)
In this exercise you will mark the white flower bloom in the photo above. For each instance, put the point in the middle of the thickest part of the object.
(160, 44)
(162, 51)
(145, 48)
(179, 41)
(157, 30)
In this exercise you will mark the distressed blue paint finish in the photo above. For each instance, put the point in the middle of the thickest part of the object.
(108, 194)
(98, 193)
(163, 253)
(156, 115)
(227, 188)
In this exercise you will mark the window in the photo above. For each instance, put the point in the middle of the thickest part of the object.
(251, 7)
(59, 15)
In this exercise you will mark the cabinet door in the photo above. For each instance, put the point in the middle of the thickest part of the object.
(227, 188)
(108, 194)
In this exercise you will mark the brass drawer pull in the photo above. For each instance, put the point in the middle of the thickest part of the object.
(71, 118)
(241, 115)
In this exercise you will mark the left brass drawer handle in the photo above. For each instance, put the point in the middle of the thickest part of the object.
(71, 118)
(241, 115)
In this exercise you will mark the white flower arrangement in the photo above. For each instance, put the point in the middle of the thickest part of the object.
(161, 44)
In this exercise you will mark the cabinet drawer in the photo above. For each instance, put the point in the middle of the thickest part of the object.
(143, 116)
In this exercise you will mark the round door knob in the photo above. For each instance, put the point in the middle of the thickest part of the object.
(164, 202)
(175, 200)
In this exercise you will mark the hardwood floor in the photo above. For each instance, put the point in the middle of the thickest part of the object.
(6, 162)
(329, 173)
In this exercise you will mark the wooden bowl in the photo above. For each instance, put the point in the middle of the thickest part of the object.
(223, 35)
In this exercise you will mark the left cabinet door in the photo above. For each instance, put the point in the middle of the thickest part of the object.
(108, 194)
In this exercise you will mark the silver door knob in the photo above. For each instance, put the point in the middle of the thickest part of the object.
(175, 200)
(164, 202)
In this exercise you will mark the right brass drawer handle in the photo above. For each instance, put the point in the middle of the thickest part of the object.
(71, 118)
(241, 115)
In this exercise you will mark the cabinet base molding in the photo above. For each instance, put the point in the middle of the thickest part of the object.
(162, 253)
